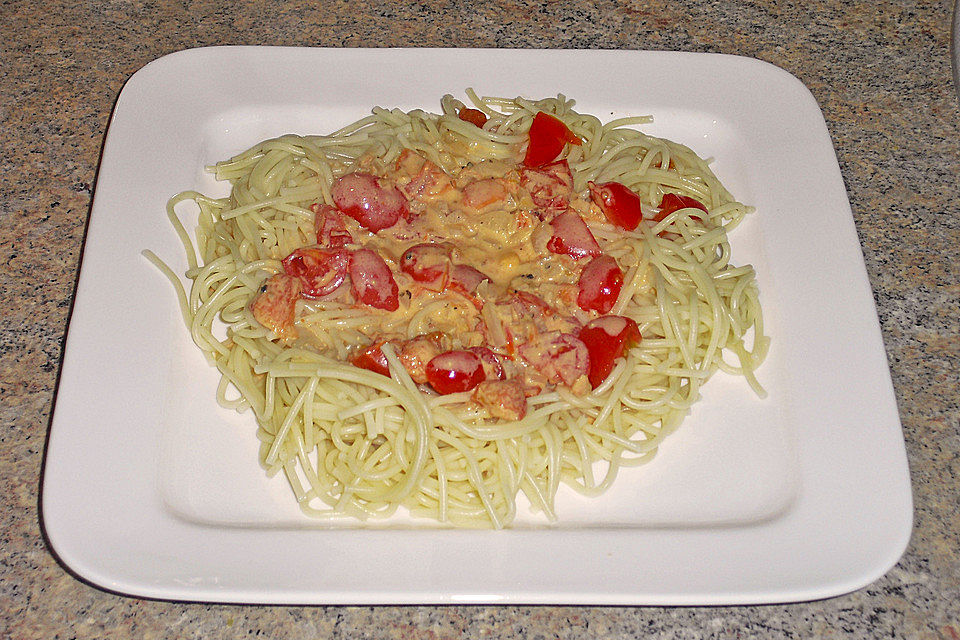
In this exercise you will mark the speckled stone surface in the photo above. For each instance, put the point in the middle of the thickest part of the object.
(880, 71)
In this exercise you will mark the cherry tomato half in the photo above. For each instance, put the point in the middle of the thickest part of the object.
(455, 371)
(372, 282)
(360, 196)
(428, 264)
(600, 284)
(572, 237)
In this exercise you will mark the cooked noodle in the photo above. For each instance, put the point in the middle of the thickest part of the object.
(353, 443)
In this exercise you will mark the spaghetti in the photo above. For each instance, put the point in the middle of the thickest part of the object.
(360, 440)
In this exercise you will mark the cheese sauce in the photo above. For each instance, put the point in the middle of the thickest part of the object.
(493, 220)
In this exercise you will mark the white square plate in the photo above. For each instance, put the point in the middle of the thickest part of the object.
(153, 490)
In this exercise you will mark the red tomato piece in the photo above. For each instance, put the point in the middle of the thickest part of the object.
(320, 271)
(372, 359)
(600, 284)
(473, 116)
(607, 339)
(529, 304)
(372, 282)
(548, 135)
(454, 371)
(620, 205)
(329, 226)
(572, 237)
(428, 264)
(360, 196)
(492, 366)
(465, 279)
(550, 186)
(672, 202)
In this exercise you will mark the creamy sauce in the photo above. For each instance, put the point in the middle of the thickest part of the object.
(490, 222)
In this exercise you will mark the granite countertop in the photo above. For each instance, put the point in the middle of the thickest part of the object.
(880, 72)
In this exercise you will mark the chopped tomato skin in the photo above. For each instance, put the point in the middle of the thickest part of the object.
(550, 186)
(572, 237)
(548, 135)
(373, 359)
(372, 282)
(454, 371)
(465, 279)
(620, 205)
(473, 116)
(600, 284)
(530, 303)
(492, 366)
(561, 357)
(671, 202)
(428, 264)
(330, 229)
(419, 179)
(320, 271)
(607, 339)
(362, 197)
